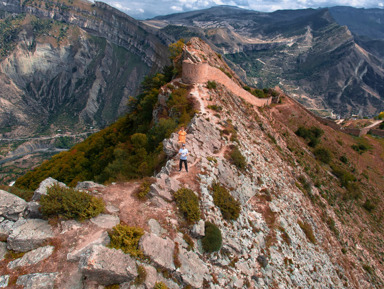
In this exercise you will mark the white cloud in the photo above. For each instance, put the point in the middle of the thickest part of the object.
(177, 8)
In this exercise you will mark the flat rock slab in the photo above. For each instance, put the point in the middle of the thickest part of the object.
(11, 206)
(4, 279)
(88, 185)
(106, 221)
(192, 268)
(37, 281)
(32, 257)
(107, 266)
(75, 255)
(3, 250)
(29, 235)
(159, 250)
(44, 185)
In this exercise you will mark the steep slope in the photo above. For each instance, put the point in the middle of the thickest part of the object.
(70, 65)
(294, 223)
(306, 52)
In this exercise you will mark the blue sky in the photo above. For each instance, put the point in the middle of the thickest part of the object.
(142, 9)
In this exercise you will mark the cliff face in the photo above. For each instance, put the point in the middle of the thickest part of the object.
(75, 70)
(296, 225)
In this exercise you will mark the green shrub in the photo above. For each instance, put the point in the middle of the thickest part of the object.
(369, 206)
(144, 190)
(311, 135)
(160, 285)
(211, 84)
(212, 240)
(188, 204)
(323, 154)
(215, 107)
(237, 158)
(344, 159)
(229, 207)
(142, 275)
(381, 125)
(360, 148)
(24, 194)
(344, 176)
(307, 229)
(69, 203)
(127, 239)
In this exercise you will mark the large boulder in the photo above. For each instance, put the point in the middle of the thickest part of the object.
(159, 250)
(75, 255)
(32, 257)
(44, 185)
(11, 206)
(107, 266)
(29, 234)
(37, 281)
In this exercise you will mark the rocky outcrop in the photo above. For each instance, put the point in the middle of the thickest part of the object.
(32, 257)
(159, 250)
(107, 266)
(11, 206)
(37, 281)
(29, 234)
(44, 185)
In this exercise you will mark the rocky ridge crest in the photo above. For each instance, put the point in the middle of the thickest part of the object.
(264, 248)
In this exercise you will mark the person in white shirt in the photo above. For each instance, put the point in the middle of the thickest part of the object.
(183, 152)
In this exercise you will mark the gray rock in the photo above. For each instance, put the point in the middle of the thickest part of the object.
(29, 235)
(156, 190)
(192, 268)
(88, 185)
(170, 145)
(44, 185)
(32, 211)
(198, 229)
(159, 250)
(37, 281)
(3, 250)
(105, 221)
(75, 255)
(155, 227)
(112, 209)
(6, 229)
(262, 261)
(107, 266)
(11, 206)
(4, 281)
(32, 257)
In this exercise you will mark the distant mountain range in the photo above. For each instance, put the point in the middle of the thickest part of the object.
(310, 53)
(73, 66)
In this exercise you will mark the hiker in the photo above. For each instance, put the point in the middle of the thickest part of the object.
(183, 152)
(182, 135)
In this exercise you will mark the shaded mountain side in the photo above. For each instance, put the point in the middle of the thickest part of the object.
(306, 52)
(71, 65)
(282, 199)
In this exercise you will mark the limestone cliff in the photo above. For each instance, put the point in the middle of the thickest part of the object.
(68, 67)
